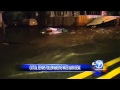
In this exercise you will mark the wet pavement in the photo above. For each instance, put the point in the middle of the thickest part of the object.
(79, 45)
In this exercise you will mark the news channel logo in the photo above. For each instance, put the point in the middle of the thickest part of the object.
(98, 65)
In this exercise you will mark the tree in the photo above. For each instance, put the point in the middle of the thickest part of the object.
(42, 15)
(13, 16)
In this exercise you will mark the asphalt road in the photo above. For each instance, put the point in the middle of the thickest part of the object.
(78, 46)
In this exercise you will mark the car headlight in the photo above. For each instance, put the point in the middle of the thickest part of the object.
(43, 32)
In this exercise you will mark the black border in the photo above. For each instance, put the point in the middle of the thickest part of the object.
(59, 5)
(48, 5)
(61, 83)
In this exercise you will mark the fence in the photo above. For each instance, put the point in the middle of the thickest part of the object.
(80, 20)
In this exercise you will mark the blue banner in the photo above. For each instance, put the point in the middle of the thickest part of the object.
(57, 67)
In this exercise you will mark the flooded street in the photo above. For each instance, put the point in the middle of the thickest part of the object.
(77, 46)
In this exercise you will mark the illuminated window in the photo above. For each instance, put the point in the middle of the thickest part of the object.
(65, 13)
(52, 13)
(62, 13)
(103, 13)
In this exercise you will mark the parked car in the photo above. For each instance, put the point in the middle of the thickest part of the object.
(51, 30)
(103, 21)
(24, 22)
(30, 22)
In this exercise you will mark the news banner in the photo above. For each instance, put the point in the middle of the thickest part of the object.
(96, 66)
